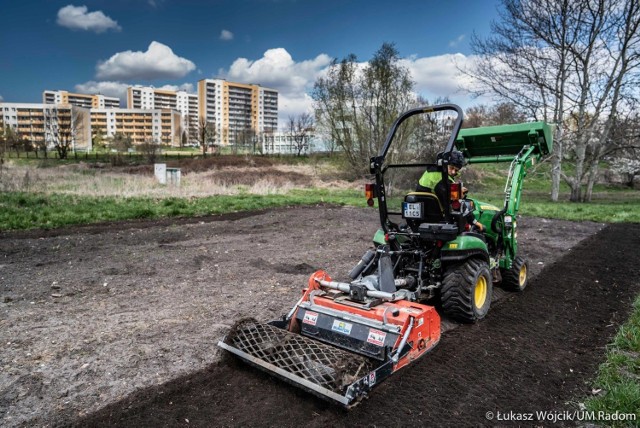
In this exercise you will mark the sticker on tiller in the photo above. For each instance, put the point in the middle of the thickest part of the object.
(342, 327)
(372, 378)
(376, 337)
(310, 318)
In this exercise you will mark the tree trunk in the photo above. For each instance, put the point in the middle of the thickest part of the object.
(575, 191)
(556, 163)
(556, 171)
(593, 177)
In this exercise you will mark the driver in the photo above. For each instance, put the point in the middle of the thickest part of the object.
(431, 181)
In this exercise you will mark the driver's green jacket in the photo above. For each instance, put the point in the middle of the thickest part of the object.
(430, 179)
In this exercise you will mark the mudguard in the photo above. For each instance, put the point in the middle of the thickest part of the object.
(465, 246)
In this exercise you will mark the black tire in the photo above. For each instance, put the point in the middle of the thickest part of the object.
(466, 291)
(516, 278)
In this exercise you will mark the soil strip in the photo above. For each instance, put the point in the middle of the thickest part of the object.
(536, 351)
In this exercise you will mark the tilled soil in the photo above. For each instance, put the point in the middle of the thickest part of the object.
(117, 324)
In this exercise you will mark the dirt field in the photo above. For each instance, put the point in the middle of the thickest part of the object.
(117, 324)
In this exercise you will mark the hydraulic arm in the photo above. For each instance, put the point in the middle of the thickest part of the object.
(522, 145)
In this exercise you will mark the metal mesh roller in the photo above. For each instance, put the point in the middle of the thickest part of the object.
(324, 365)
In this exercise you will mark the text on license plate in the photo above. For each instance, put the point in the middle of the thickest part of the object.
(411, 210)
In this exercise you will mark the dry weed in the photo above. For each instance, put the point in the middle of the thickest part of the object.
(88, 180)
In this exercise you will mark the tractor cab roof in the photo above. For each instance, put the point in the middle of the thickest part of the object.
(502, 143)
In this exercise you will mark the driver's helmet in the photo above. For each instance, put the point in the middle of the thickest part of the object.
(456, 159)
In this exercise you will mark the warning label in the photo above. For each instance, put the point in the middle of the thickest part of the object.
(376, 337)
(310, 318)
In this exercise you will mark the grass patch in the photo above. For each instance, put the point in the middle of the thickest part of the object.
(619, 376)
(21, 210)
(610, 207)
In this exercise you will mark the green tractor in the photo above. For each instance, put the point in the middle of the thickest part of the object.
(426, 249)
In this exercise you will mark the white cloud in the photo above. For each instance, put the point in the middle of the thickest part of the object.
(455, 42)
(439, 76)
(277, 70)
(110, 89)
(226, 35)
(1, 99)
(79, 18)
(187, 87)
(158, 62)
(434, 77)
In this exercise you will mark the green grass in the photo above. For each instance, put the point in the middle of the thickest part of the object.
(619, 376)
(613, 207)
(20, 210)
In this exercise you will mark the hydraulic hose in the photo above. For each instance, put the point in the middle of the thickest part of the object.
(362, 264)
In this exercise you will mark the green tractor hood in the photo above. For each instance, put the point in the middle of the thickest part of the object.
(502, 143)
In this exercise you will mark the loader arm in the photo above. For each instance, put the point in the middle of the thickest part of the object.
(523, 145)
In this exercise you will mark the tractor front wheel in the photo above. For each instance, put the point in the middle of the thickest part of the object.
(466, 291)
(515, 279)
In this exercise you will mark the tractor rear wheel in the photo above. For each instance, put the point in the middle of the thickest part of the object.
(515, 279)
(466, 291)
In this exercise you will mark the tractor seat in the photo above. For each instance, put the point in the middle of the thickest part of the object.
(430, 209)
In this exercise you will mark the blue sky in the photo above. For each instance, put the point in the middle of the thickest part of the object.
(105, 46)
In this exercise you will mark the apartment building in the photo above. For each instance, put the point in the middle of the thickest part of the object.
(44, 124)
(236, 112)
(268, 110)
(234, 109)
(162, 126)
(79, 100)
(147, 97)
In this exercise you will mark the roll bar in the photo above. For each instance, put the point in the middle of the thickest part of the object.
(376, 162)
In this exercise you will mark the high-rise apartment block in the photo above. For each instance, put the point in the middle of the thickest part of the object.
(80, 100)
(233, 109)
(231, 112)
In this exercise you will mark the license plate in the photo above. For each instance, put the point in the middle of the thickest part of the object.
(411, 209)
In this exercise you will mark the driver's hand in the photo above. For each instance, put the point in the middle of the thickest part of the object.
(464, 191)
(480, 226)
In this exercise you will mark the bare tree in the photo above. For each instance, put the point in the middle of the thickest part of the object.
(179, 134)
(357, 105)
(300, 127)
(150, 150)
(64, 127)
(497, 114)
(121, 142)
(245, 139)
(570, 62)
(3, 145)
(10, 140)
(184, 138)
(206, 133)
